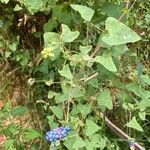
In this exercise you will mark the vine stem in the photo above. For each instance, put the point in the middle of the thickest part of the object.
(123, 14)
(96, 50)
(89, 78)
(118, 131)
(68, 108)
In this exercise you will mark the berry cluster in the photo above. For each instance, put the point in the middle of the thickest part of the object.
(57, 134)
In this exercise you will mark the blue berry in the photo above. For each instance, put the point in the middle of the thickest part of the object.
(57, 134)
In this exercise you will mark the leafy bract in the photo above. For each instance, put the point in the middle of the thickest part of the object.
(68, 35)
(85, 12)
(118, 33)
(106, 61)
(134, 124)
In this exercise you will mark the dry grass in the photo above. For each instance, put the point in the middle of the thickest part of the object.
(14, 92)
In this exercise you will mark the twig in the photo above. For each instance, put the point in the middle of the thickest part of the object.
(68, 108)
(96, 50)
(127, 5)
(89, 78)
(119, 132)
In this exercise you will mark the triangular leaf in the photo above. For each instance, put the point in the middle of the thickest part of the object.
(85, 49)
(106, 61)
(65, 72)
(59, 97)
(135, 88)
(85, 12)
(91, 127)
(68, 35)
(144, 104)
(118, 33)
(51, 94)
(134, 124)
(57, 110)
(84, 109)
(76, 92)
(142, 115)
(79, 143)
(104, 99)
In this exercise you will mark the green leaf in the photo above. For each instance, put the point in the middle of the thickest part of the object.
(51, 122)
(84, 109)
(104, 99)
(135, 88)
(13, 129)
(111, 9)
(118, 33)
(19, 111)
(118, 50)
(65, 72)
(34, 5)
(69, 142)
(68, 35)
(76, 92)
(106, 61)
(5, 1)
(17, 8)
(53, 40)
(146, 79)
(85, 49)
(142, 115)
(79, 143)
(85, 12)
(50, 25)
(134, 124)
(59, 97)
(9, 143)
(145, 102)
(91, 127)
(31, 134)
(51, 94)
(57, 110)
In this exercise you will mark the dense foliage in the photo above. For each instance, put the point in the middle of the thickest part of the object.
(76, 59)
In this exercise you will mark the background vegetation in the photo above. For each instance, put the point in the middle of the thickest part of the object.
(62, 62)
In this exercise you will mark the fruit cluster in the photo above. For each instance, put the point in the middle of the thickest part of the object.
(57, 134)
